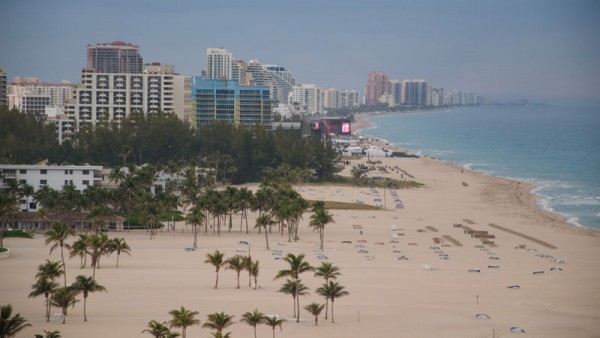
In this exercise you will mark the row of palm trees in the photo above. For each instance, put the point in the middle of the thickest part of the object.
(237, 263)
(330, 290)
(94, 245)
(217, 322)
(62, 297)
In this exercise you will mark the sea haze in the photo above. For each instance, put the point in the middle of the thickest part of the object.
(555, 147)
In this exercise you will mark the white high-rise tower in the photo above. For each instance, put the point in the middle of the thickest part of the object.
(218, 64)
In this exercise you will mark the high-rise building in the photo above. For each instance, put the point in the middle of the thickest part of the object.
(396, 92)
(114, 57)
(349, 98)
(238, 72)
(416, 92)
(227, 100)
(3, 89)
(307, 96)
(336, 99)
(277, 78)
(110, 97)
(378, 84)
(218, 64)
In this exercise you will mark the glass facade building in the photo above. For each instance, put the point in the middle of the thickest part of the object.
(227, 100)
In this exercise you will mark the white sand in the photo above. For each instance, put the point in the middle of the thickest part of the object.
(394, 298)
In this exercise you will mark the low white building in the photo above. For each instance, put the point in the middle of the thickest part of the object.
(54, 176)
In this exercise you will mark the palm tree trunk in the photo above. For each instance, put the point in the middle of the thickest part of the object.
(298, 312)
(326, 306)
(294, 305)
(85, 309)
(118, 255)
(230, 220)
(332, 320)
(195, 236)
(183, 329)
(255, 283)
(273, 331)
(238, 280)
(84, 260)
(217, 280)
(62, 256)
(64, 312)
(254, 331)
(316, 320)
(267, 238)
(246, 218)
(47, 309)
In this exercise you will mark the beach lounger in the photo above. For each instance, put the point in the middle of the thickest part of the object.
(362, 241)
(396, 251)
(413, 244)
(493, 266)
(555, 269)
(363, 251)
(427, 267)
(495, 258)
(346, 242)
(402, 258)
(482, 316)
(444, 257)
(516, 329)
(558, 261)
(189, 249)
(379, 243)
(475, 270)
(394, 241)
(538, 272)
(516, 286)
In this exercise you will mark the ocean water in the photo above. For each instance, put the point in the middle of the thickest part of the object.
(555, 147)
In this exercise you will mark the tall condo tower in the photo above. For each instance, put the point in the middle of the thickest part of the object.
(218, 64)
(114, 57)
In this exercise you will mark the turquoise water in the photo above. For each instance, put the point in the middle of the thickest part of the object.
(555, 147)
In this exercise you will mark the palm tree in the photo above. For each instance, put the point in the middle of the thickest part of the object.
(9, 209)
(248, 266)
(315, 309)
(332, 291)
(319, 219)
(216, 259)
(295, 288)
(63, 298)
(79, 248)
(97, 245)
(196, 217)
(86, 285)
(118, 245)
(58, 234)
(263, 221)
(273, 322)
(253, 319)
(11, 325)
(159, 330)
(218, 321)
(297, 266)
(50, 270)
(327, 271)
(254, 269)
(49, 334)
(44, 286)
(237, 264)
(183, 318)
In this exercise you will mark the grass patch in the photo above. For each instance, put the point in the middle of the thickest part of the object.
(522, 235)
(347, 205)
(376, 182)
(17, 233)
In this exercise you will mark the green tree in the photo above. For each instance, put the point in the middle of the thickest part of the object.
(85, 285)
(196, 217)
(254, 270)
(9, 209)
(49, 334)
(297, 266)
(57, 235)
(237, 264)
(45, 287)
(64, 298)
(264, 221)
(218, 322)
(183, 318)
(118, 245)
(315, 309)
(159, 330)
(253, 319)
(11, 325)
(274, 322)
(97, 246)
(79, 248)
(332, 291)
(216, 259)
(327, 271)
(319, 219)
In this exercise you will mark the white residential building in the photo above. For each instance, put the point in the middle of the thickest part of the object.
(53, 176)
(336, 99)
(30, 95)
(218, 64)
(307, 96)
(110, 97)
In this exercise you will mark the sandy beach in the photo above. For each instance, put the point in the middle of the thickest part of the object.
(401, 282)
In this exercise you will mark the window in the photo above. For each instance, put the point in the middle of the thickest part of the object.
(66, 172)
(32, 205)
(43, 182)
(43, 171)
(86, 172)
(22, 171)
(85, 182)
(22, 181)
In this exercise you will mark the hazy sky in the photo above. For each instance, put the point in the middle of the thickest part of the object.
(540, 49)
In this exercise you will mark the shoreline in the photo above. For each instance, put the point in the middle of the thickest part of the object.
(524, 191)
